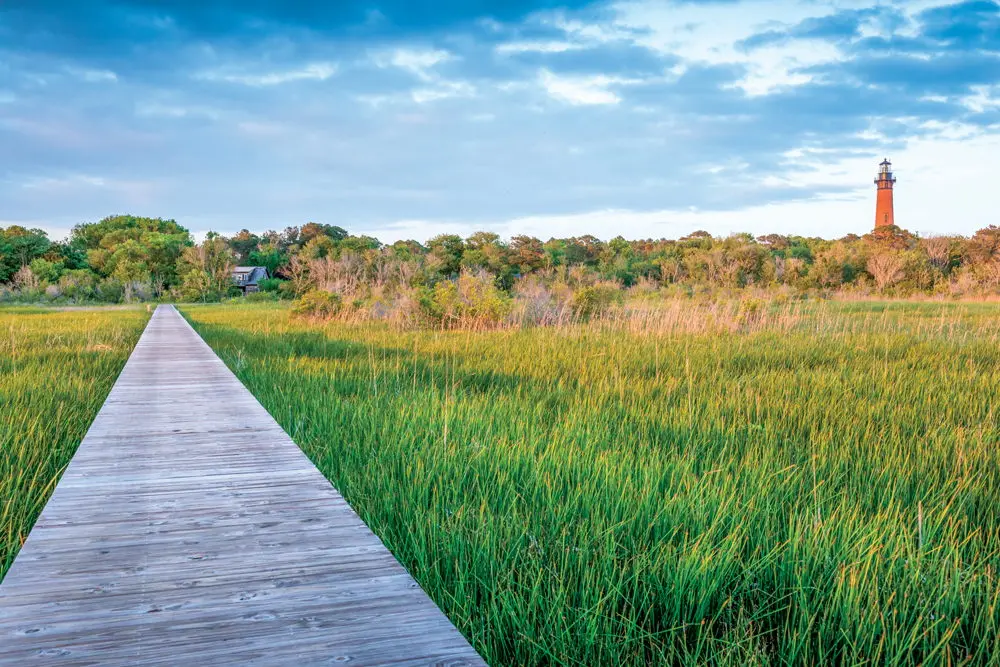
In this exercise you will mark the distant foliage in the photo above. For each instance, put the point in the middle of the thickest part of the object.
(596, 300)
(206, 271)
(270, 285)
(259, 297)
(317, 304)
(133, 257)
(473, 299)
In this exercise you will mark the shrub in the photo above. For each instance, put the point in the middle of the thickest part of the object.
(595, 300)
(317, 303)
(110, 290)
(46, 271)
(472, 299)
(270, 284)
(25, 280)
(538, 304)
(137, 290)
(77, 284)
(260, 297)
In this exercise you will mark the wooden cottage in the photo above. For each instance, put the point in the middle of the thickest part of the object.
(248, 278)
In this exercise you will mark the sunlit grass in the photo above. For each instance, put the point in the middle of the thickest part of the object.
(821, 487)
(56, 369)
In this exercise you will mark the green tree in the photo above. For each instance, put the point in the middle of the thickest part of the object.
(156, 244)
(448, 250)
(206, 270)
(19, 247)
(47, 271)
(526, 254)
(312, 230)
(243, 243)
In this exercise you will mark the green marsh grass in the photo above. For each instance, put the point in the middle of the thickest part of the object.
(812, 484)
(56, 369)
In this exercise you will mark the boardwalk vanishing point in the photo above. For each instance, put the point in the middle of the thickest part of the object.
(190, 530)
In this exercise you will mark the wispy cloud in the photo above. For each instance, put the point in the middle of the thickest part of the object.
(319, 71)
(442, 90)
(163, 110)
(95, 75)
(551, 46)
(419, 62)
(585, 90)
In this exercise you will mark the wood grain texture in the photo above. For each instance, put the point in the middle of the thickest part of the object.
(190, 530)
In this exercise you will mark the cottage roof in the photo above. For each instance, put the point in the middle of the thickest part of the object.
(253, 273)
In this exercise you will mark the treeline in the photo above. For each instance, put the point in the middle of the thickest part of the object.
(127, 258)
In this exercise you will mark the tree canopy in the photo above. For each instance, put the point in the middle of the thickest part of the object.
(126, 256)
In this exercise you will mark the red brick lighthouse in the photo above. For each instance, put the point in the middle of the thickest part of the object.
(883, 203)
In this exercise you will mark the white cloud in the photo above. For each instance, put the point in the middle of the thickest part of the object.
(157, 109)
(442, 90)
(951, 130)
(774, 67)
(418, 62)
(588, 90)
(538, 47)
(437, 89)
(983, 99)
(709, 34)
(592, 33)
(96, 76)
(318, 71)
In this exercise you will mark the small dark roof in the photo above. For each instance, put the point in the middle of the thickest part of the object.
(254, 273)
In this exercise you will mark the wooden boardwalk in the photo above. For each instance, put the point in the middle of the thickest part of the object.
(190, 530)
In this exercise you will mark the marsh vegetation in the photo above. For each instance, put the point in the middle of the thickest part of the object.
(808, 483)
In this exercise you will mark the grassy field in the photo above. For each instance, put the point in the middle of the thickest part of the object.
(56, 368)
(818, 485)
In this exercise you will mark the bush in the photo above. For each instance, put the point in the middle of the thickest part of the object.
(538, 304)
(260, 297)
(595, 300)
(317, 303)
(137, 290)
(46, 271)
(110, 291)
(78, 284)
(472, 299)
(270, 284)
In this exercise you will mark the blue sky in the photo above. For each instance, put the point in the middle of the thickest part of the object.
(404, 119)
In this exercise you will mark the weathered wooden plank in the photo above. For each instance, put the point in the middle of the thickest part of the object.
(189, 529)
